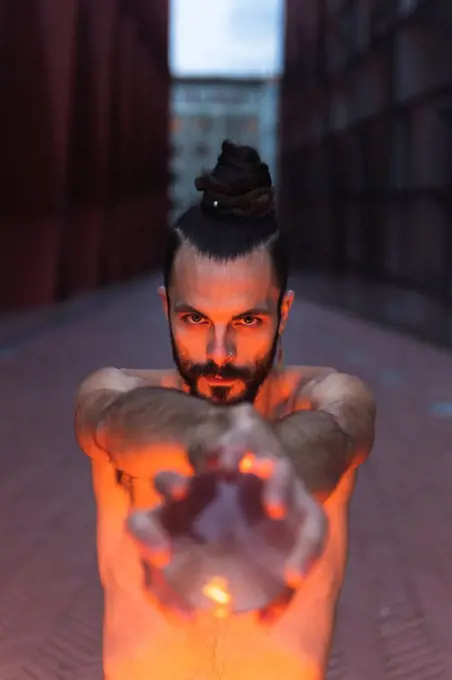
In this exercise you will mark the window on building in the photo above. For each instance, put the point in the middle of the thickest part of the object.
(176, 125)
(405, 7)
(401, 151)
(231, 128)
(176, 150)
(446, 117)
(204, 124)
(252, 125)
(348, 28)
(174, 177)
(202, 150)
(363, 157)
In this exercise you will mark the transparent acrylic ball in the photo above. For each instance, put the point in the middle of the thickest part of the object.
(226, 552)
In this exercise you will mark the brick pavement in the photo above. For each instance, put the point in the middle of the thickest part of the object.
(395, 614)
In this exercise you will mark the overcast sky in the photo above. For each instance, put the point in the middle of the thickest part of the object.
(226, 37)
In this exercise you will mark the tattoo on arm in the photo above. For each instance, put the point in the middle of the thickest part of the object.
(337, 431)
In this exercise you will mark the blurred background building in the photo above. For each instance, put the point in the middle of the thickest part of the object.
(366, 156)
(226, 59)
(204, 111)
(350, 101)
(84, 87)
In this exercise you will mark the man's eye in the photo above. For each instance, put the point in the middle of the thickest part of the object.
(250, 321)
(194, 319)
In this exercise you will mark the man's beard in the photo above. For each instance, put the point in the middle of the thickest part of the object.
(252, 378)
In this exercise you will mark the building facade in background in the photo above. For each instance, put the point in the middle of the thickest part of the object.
(204, 112)
(84, 137)
(366, 147)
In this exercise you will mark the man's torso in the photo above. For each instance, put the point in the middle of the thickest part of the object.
(139, 643)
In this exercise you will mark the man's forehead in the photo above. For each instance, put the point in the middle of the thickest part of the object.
(246, 281)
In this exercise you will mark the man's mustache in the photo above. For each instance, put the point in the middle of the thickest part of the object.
(226, 372)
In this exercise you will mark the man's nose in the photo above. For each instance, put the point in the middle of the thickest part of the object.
(220, 348)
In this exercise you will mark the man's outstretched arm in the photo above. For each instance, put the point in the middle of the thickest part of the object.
(122, 418)
(331, 430)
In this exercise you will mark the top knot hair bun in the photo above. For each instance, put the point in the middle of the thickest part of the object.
(240, 184)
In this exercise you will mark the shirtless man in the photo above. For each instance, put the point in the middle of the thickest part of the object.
(227, 304)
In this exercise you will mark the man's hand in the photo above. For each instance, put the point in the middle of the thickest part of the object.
(231, 440)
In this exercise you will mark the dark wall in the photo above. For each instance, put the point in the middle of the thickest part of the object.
(366, 138)
(83, 138)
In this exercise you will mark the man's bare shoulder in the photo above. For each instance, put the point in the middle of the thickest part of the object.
(322, 382)
(333, 392)
(304, 374)
(124, 379)
(287, 385)
(155, 377)
(295, 377)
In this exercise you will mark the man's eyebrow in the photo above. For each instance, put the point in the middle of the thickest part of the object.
(255, 311)
(183, 308)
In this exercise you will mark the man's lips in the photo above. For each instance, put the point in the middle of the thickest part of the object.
(218, 380)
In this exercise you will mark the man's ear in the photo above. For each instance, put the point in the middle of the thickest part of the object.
(286, 305)
(164, 298)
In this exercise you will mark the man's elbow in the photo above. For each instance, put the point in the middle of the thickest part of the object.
(94, 395)
(109, 378)
(84, 430)
(364, 443)
(357, 417)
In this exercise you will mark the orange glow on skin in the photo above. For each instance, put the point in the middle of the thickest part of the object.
(262, 468)
(217, 590)
(276, 511)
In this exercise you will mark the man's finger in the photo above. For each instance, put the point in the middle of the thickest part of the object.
(310, 539)
(171, 485)
(261, 466)
(152, 540)
(277, 487)
(277, 475)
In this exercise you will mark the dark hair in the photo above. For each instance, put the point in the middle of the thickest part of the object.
(236, 214)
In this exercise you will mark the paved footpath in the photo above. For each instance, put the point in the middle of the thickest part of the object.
(395, 616)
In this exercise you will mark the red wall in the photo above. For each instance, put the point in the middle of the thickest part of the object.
(83, 133)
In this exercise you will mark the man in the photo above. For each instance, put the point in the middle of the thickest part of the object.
(307, 428)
